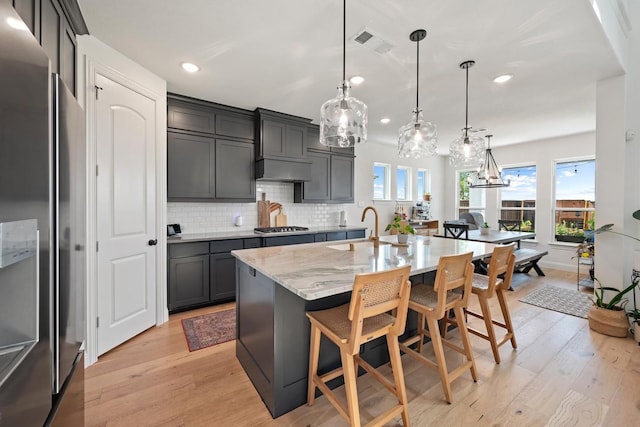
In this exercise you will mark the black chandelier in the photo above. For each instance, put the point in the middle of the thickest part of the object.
(489, 175)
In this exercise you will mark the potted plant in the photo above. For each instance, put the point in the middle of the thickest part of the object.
(484, 228)
(427, 197)
(609, 318)
(401, 227)
(634, 318)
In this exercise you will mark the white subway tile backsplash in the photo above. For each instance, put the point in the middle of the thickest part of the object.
(214, 217)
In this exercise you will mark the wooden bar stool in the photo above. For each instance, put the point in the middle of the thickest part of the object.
(450, 291)
(349, 326)
(485, 287)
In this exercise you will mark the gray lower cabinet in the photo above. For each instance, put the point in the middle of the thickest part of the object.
(288, 240)
(222, 276)
(188, 275)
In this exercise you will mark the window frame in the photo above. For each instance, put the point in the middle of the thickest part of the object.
(426, 183)
(475, 208)
(554, 207)
(408, 178)
(521, 208)
(386, 181)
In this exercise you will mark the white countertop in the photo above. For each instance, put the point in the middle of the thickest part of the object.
(318, 270)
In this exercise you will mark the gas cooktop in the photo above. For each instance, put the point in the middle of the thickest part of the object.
(286, 229)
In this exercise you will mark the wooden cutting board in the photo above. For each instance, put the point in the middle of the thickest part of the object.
(264, 214)
(281, 219)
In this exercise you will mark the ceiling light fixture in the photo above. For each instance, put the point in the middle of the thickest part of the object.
(503, 78)
(418, 138)
(189, 67)
(489, 175)
(356, 80)
(343, 119)
(385, 120)
(467, 151)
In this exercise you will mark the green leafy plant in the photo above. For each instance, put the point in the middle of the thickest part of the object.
(485, 225)
(617, 302)
(399, 227)
(634, 315)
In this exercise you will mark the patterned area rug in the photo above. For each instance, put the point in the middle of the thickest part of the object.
(563, 300)
(210, 329)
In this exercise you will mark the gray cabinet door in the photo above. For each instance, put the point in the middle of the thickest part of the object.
(188, 281)
(236, 127)
(190, 117)
(27, 11)
(234, 171)
(190, 171)
(313, 140)
(294, 141)
(50, 31)
(318, 189)
(341, 179)
(273, 138)
(222, 276)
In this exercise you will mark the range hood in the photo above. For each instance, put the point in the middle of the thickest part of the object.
(281, 170)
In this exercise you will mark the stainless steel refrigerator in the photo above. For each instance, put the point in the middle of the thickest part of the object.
(42, 236)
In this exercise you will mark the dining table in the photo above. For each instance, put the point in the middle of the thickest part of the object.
(497, 236)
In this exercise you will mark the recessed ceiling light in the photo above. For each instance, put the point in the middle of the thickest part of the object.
(385, 120)
(17, 24)
(188, 66)
(503, 78)
(356, 80)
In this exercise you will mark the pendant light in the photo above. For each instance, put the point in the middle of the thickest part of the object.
(489, 175)
(418, 138)
(343, 119)
(467, 150)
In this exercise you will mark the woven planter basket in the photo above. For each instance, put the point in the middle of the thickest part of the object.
(608, 322)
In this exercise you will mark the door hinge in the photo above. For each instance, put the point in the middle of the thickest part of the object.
(97, 247)
(96, 170)
(98, 88)
(97, 322)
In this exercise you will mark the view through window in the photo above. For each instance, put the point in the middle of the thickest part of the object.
(423, 184)
(469, 199)
(403, 180)
(381, 181)
(575, 200)
(518, 201)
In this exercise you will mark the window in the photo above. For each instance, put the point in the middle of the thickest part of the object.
(518, 201)
(423, 183)
(469, 199)
(403, 183)
(381, 181)
(575, 199)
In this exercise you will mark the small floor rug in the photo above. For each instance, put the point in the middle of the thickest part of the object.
(563, 300)
(209, 329)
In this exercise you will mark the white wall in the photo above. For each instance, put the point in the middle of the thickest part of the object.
(371, 152)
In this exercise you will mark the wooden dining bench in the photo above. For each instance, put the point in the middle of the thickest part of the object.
(527, 258)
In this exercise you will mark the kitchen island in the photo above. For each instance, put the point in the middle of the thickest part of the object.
(275, 286)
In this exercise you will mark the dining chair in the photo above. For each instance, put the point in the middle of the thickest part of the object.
(485, 287)
(432, 303)
(509, 224)
(456, 230)
(364, 318)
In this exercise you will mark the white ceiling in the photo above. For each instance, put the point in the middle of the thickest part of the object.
(286, 55)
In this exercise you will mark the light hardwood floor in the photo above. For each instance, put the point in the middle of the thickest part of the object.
(562, 374)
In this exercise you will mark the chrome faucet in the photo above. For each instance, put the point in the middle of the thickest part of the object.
(376, 238)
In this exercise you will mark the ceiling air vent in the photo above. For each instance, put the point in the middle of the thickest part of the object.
(373, 42)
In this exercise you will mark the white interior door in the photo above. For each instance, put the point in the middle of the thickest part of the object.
(126, 191)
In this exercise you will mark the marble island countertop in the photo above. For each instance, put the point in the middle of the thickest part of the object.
(318, 270)
(244, 234)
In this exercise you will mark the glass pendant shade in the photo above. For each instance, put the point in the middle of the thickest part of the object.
(343, 120)
(467, 151)
(417, 138)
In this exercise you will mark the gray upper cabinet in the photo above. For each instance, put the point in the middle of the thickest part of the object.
(234, 170)
(332, 171)
(281, 135)
(342, 179)
(55, 23)
(210, 152)
(189, 166)
(190, 118)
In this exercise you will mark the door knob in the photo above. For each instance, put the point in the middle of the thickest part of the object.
(153, 242)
